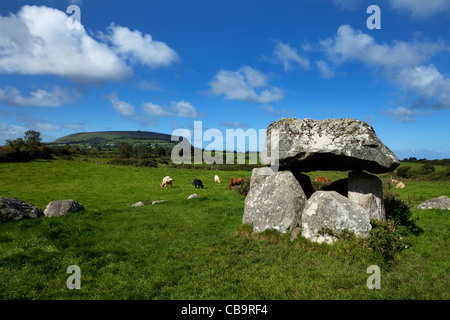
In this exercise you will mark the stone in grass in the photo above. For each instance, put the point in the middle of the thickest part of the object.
(61, 207)
(12, 209)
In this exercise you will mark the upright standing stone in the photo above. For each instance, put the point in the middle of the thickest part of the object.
(367, 191)
(276, 202)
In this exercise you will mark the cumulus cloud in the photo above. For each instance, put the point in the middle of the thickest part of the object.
(241, 85)
(184, 109)
(37, 41)
(140, 48)
(37, 124)
(421, 8)
(288, 57)
(349, 44)
(39, 98)
(347, 4)
(10, 131)
(155, 110)
(324, 69)
(401, 114)
(122, 107)
(403, 64)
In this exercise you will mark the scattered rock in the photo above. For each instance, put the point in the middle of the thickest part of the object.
(328, 210)
(275, 203)
(193, 196)
(330, 144)
(61, 207)
(138, 204)
(12, 209)
(442, 202)
(295, 233)
(367, 191)
(158, 201)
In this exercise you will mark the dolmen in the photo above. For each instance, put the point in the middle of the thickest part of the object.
(283, 199)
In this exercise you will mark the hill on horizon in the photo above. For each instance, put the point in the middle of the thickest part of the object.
(114, 138)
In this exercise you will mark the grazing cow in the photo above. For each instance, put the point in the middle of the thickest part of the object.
(235, 182)
(166, 181)
(198, 183)
(323, 180)
(400, 185)
(216, 178)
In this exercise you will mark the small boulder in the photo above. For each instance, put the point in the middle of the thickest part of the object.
(275, 203)
(61, 207)
(138, 204)
(442, 202)
(12, 209)
(158, 201)
(328, 210)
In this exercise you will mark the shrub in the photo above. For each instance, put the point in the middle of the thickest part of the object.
(428, 168)
(243, 188)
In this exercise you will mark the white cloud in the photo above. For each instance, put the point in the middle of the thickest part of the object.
(37, 41)
(241, 85)
(402, 64)
(184, 109)
(401, 114)
(420, 8)
(349, 44)
(39, 98)
(324, 69)
(155, 110)
(122, 107)
(140, 48)
(288, 57)
(10, 131)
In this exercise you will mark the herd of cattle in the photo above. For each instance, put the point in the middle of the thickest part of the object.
(238, 181)
(199, 184)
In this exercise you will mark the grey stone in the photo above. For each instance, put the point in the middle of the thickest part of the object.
(330, 144)
(138, 204)
(275, 203)
(367, 191)
(328, 210)
(442, 202)
(158, 201)
(259, 174)
(12, 209)
(295, 233)
(61, 207)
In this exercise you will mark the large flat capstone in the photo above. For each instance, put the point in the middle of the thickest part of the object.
(330, 144)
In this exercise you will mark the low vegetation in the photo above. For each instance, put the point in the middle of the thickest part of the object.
(199, 248)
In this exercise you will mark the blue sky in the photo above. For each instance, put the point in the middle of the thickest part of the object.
(161, 65)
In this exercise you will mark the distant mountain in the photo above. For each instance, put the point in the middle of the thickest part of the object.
(114, 138)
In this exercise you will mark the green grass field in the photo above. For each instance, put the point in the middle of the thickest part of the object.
(190, 249)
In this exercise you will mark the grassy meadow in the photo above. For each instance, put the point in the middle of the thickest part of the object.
(192, 249)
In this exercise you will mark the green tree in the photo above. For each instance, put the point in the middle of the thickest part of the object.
(125, 150)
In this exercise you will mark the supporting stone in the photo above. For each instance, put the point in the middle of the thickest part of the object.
(367, 191)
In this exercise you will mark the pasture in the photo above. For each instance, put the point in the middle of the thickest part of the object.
(191, 249)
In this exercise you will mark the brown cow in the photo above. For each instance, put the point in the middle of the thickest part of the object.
(235, 182)
(323, 180)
